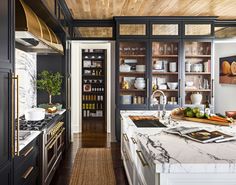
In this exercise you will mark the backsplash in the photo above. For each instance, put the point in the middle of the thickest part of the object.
(26, 68)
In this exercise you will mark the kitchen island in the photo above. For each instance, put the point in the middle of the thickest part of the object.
(152, 156)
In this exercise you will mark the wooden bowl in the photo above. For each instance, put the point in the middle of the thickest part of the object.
(231, 114)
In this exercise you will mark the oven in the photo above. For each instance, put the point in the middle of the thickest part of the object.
(53, 144)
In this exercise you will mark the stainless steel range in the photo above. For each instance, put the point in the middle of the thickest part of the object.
(53, 141)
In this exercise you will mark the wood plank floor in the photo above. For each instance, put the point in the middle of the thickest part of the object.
(62, 175)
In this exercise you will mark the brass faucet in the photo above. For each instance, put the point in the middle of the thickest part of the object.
(154, 102)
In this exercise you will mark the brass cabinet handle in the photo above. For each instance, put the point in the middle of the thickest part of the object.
(142, 158)
(28, 172)
(28, 151)
(133, 140)
(126, 137)
(17, 152)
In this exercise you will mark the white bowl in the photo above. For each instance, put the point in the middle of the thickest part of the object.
(35, 114)
(140, 68)
(172, 85)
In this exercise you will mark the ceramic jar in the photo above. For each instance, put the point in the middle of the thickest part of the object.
(196, 98)
(139, 83)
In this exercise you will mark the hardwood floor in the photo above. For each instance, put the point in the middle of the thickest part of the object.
(62, 175)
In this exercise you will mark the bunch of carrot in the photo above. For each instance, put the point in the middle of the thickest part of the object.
(218, 118)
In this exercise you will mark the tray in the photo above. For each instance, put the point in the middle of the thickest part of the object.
(179, 115)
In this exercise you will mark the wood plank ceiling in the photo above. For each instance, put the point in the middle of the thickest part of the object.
(106, 9)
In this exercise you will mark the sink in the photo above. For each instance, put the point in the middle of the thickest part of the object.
(148, 123)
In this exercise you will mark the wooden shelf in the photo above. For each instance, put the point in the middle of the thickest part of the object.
(132, 56)
(131, 73)
(94, 92)
(197, 73)
(198, 56)
(198, 90)
(99, 59)
(169, 90)
(91, 68)
(164, 73)
(132, 90)
(93, 76)
(100, 53)
(165, 56)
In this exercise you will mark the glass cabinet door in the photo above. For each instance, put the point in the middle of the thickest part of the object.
(133, 83)
(198, 80)
(165, 70)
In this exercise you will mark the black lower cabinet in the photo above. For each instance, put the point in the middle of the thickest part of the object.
(26, 165)
(5, 175)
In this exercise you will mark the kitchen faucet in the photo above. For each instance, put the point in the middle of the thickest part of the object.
(154, 101)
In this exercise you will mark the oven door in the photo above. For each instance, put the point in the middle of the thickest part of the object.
(61, 141)
(50, 155)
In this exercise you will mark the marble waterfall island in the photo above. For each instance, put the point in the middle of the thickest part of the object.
(180, 161)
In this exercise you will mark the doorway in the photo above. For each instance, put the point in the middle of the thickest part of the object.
(91, 87)
(94, 95)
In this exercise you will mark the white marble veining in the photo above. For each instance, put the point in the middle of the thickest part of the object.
(28, 139)
(26, 68)
(175, 154)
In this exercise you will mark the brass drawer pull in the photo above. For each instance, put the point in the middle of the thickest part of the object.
(28, 172)
(133, 140)
(142, 158)
(28, 151)
(126, 137)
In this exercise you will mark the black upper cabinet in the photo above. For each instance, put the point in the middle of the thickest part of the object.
(6, 68)
(5, 32)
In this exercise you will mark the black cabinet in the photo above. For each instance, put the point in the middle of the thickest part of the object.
(5, 175)
(6, 67)
(5, 139)
(26, 165)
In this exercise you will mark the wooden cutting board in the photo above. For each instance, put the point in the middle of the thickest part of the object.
(136, 118)
(178, 114)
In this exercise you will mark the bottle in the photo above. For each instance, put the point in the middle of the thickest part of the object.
(207, 106)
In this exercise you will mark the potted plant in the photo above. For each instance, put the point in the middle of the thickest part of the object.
(51, 83)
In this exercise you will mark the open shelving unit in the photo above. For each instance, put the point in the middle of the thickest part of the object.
(93, 84)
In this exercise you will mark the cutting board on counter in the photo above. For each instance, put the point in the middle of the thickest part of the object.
(179, 115)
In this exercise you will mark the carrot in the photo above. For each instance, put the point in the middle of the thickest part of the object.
(218, 118)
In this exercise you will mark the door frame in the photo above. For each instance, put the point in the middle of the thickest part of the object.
(76, 78)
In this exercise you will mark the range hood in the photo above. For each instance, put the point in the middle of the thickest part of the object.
(32, 33)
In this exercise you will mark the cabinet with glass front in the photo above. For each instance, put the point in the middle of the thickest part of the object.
(165, 70)
(198, 75)
(132, 75)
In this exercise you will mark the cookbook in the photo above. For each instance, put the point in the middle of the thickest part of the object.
(200, 135)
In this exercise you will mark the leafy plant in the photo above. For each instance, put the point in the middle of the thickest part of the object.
(50, 82)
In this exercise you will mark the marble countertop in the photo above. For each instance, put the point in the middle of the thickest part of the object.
(175, 154)
(28, 139)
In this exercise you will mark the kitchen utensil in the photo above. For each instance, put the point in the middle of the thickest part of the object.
(35, 114)
(196, 98)
(172, 85)
(172, 67)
